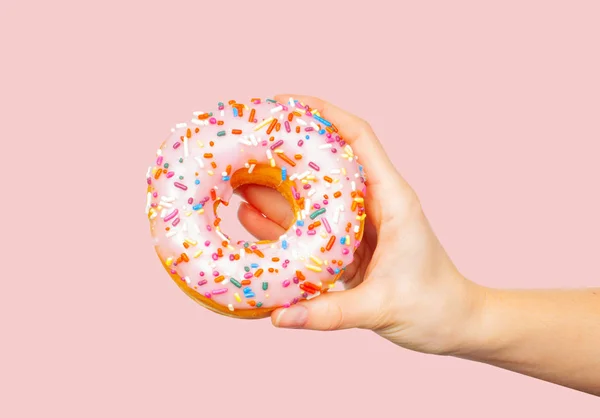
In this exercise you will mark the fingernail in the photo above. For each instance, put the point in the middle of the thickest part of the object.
(294, 317)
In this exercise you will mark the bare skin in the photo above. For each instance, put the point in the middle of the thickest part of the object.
(403, 285)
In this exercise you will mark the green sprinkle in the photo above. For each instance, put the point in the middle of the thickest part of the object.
(181, 160)
(317, 213)
(246, 245)
(265, 285)
(271, 101)
(235, 282)
(246, 268)
(180, 177)
(259, 304)
(166, 165)
(221, 133)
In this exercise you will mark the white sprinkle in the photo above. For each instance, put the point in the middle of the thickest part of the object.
(356, 228)
(197, 122)
(181, 125)
(269, 154)
(314, 125)
(163, 213)
(198, 113)
(283, 237)
(148, 172)
(187, 279)
(325, 146)
(171, 233)
(251, 169)
(154, 215)
(312, 192)
(200, 162)
(223, 237)
(277, 109)
(253, 139)
(292, 102)
(186, 152)
(159, 152)
(307, 204)
(306, 173)
(293, 176)
(242, 253)
(353, 184)
(244, 141)
(166, 205)
(301, 122)
(336, 215)
(230, 306)
(309, 297)
(167, 199)
(348, 149)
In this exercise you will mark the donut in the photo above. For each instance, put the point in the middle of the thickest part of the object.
(288, 147)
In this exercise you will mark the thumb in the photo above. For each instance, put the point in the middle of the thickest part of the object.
(351, 308)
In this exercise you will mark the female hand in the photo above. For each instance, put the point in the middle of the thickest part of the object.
(401, 284)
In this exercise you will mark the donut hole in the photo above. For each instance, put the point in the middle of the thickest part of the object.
(263, 207)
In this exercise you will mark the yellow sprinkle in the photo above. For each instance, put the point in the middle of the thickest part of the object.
(272, 162)
(188, 213)
(200, 144)
(237, 297)
(344, 171)
(263, 124)
(169, 261)
(210, 173)
(230, 307)
(191, 241)
(348, 240)
(361, 217)
(359, 199)
(314, 268)
(198, 254)
(317, 260)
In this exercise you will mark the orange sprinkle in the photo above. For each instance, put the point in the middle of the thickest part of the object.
(258, 272)
(185, 257)
(271, 269)
(211, 143)
(186, 245)
(328, 179)
(330, 242)
(236, 131)
(271, 126)
(322, 249)
(203, 116)
(188, 133)
(213, 164)
(277, 127)
(197, 130)
(246, 282)
(208, 155)
(286, 159)
(213, 194)
(157, 174)
(231, 102)
(224, 243)
(220, 123)
(258, 253)
(290, 117)
(252, 302)
(236, 257)
(297, 129)
(252, 113)
(219, 279)
(275, 259)
(337, 194)
(219, 252)
(300, 276)
(272, 139)
(354, 205)
(228, 169)
(298, 156)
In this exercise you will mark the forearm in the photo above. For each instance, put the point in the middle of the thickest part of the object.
(551, 335)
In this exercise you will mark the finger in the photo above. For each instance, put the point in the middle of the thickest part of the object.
(259, 226)
(269, 202)
(355, 132)
(353, 308)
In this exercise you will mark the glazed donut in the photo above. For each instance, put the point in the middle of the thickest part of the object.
(285, 146)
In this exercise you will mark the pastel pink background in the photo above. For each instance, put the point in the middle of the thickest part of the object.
(490, 111)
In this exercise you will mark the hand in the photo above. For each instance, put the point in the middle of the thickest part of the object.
(401, 284)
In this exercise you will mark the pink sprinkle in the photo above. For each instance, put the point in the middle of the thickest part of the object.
(300, 142)
(159, 160)
(201, 274)
(154, 194)
(311, 232)
(330, 270)
(286, 305)
(202, 282)
(208, 228)
(248, 276)
(306, 186)
(173, 271)
(277, 144)
(231, 257)
(295, 300)
(215, 273)
(298, 232)
(287, 126)
(212, 121)
(330, 139)
(190, 200)
(317, 206)
(314, 166)
(153, 205)
(170, 174)
(208, 295)
(345, 251)
(326, 224)
(296, 280)
(215, 256)
(220, 291)
(176, 221)
(176, 145)
(325, 202)
(264, 143)
(309, 129)
(286, 283)
(333, 150)
(171, 215)
(181, 186)
(206, 243)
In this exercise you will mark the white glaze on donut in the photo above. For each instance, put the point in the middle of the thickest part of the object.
(183, 186)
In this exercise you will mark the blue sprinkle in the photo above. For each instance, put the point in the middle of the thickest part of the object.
(197, 206)
(283, 173)
(226, 178)
(322, 131)
(235, 112)
(197, 181)
(247, 289)
(249, 295)
(254, 265)
(343, 240)
(323, 121)
(336, 270)
(300, 223)
(284, 244)
(307, 137)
